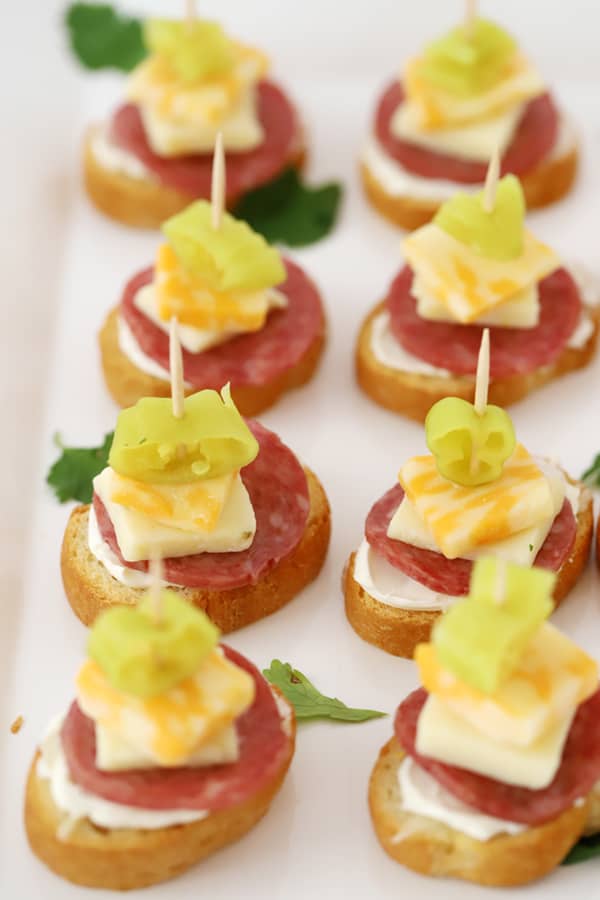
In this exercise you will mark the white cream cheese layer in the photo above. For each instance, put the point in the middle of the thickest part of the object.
(388, 351)
(422, 795)
(397, 181)
(195, 340)
(390, 586)
(78, 803)
(115, 159)
(130, 348)
(98, 547)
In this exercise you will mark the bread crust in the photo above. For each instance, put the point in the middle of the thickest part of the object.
(398, 631)
(432, 848)
(413, 395)
(139, 202)
(125, 858)
(90, 588)
(592, 825)
(127, 384)
(546, 184)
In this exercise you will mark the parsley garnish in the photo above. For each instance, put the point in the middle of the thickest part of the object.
(72, 474)
(307, 701)
(584, 849)
(101, 38)
(288, 212)
(591, 476)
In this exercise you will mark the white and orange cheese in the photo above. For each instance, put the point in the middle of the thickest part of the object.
(170, 729)
(551, 679)
(206, 516)
(182, 117)
(462, 519)
(467, 285)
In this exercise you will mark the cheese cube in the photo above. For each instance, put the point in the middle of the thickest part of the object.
(552, 678)
(444, 736)
(462, 519)
(141, 536)
(438, 109)
(522, 310)
(469, 285)
(113, 754)
(171, 728)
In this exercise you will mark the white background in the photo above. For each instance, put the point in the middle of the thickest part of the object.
(63, 267)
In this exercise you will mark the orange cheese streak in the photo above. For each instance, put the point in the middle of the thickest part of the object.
(194, 303)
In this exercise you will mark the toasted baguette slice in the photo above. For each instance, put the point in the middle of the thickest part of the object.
(90, 588)
(125, 858)
(432, 848)
(545, 184)
(139, 202)
(127, 384)
(398, 631)
(413, 394)
(592, 825)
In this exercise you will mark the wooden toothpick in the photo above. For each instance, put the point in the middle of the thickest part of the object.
(176, 367)
(155, 569)
(217, 191)
(482, 381)
(491, 182)
(470, 16)
(190, 12)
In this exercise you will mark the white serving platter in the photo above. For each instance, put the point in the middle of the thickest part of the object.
(317, 839)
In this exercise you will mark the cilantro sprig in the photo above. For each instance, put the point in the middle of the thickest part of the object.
(71, 476)
(286, 211)
(308, 701)
(101, 38)
(584, 849)
(591, 476)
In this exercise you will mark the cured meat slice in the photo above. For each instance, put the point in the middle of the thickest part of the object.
(255, 358)
(246, 170)
(532, 142)
(278, 489)
(263, 747)
(513, 351)
(578, 773)
(452, 576)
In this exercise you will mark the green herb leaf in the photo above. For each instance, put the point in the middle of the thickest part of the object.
(591, 476)
(102, 39)
(72, 474)
(586, 848)
(308, 702)
(288, 212)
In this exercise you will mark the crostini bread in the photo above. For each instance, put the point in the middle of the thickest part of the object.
(432, 848)
(413, 394)
(90, 588)
(398, 631)
(139, 202)
(127, 384)
(125, 859)
(545, 184)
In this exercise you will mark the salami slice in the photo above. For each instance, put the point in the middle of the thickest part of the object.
(255, 358)
(246, 170)
(533, 140)
(263, 748)
(452, 576)
(513, 351)
(578, 773)
(278, 489)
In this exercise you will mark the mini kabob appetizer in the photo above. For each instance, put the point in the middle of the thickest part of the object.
(478, 493)
(153, 157)
(174, 747)
(494, 770)
(247, 316)
(475, 265)
(436, 127)
(241, 525)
